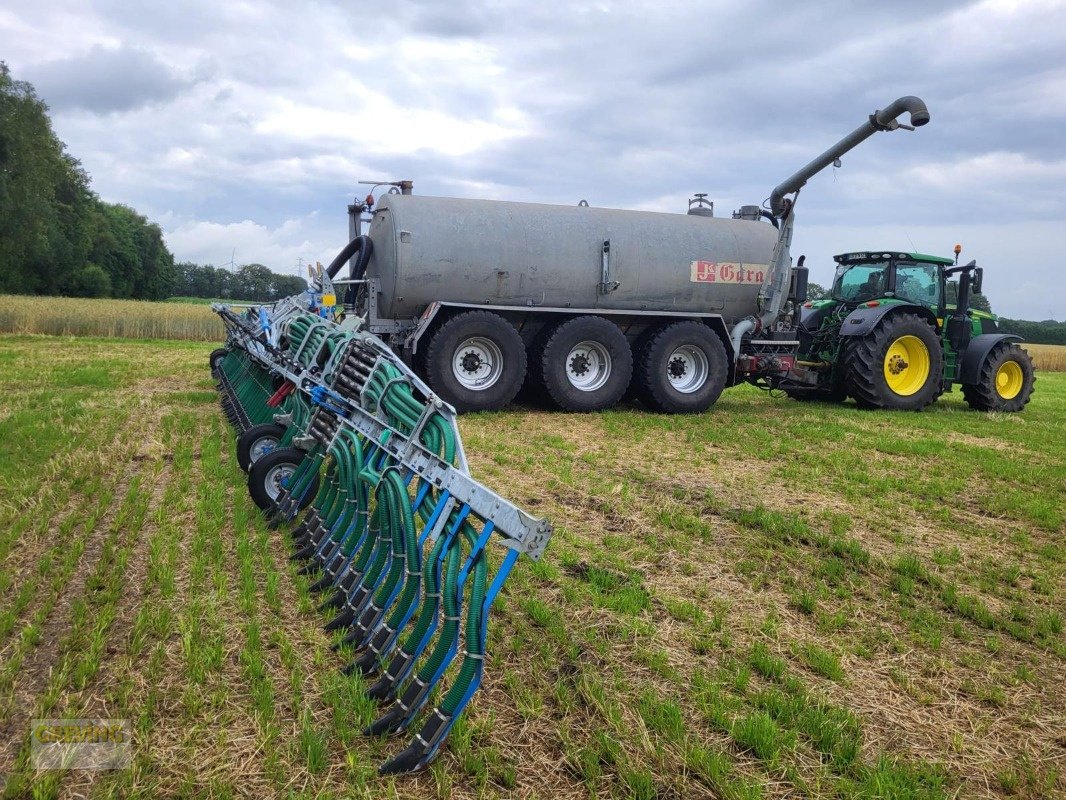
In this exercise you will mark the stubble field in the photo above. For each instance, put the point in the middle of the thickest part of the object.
(773, 599)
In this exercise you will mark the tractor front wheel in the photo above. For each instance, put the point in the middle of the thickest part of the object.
(897, 366)
(1005, 382)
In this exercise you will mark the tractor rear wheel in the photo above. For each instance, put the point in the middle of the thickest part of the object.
(256, 442)
(476, 361)
(1005, 382)
(585, 364)
(681, 369)
(898, 365)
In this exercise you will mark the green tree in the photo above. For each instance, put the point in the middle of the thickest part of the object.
(815, 291)
(56, 236)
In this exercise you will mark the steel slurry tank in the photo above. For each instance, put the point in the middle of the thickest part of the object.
(575, 302)
(522, 254)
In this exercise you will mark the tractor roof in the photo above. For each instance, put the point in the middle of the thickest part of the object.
(885, 255)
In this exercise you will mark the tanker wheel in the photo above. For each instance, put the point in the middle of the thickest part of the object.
(585, 365)
(256, 442)
(681, 369)
(898, 366)
(1005, 382)
(216, 358)
(476, 361)
(268, 474)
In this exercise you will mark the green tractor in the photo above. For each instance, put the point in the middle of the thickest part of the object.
(890, 337)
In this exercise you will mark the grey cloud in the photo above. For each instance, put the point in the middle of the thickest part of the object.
(105, 80)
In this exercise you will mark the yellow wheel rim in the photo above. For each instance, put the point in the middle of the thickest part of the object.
(1009, 380)
(907, 365)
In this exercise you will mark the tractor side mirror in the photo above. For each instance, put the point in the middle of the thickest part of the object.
(978, 280)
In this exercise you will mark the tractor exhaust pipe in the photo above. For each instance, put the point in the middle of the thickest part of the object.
(882, 120)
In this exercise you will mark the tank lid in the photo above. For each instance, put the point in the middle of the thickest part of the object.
(747, 212)
(700, 205)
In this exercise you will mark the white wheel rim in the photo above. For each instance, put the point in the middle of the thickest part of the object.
(687, 369)
(275, 478)
(477, 363)
(588, 366)
(260, 447)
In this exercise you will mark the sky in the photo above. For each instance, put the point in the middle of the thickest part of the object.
(242, 128)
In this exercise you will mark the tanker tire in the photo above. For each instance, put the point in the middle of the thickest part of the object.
(216, 358)
(586, 364)
(262, 486)
(443, 351)
(700, 348)
(533, 389)
(865, 365)
(252, 443)
(985, 396)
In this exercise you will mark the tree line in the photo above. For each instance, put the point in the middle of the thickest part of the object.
(57, 237)
(250, 282)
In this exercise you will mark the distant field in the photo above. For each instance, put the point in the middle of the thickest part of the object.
(770, 600)
(130, 319)
(1048, 357)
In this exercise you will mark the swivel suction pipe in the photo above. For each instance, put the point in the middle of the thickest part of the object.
(882, 120)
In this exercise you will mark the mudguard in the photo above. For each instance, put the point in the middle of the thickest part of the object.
(976, 353)
(865, 318)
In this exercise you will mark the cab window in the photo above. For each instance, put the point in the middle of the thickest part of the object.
(918, 283)
(860, 282)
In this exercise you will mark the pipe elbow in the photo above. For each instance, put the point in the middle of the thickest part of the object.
(915, 106)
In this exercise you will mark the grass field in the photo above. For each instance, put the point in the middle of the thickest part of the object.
(770, 600)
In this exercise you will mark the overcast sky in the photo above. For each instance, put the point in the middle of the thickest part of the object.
(243, 127)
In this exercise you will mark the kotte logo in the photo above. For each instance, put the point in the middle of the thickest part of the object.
(726, 272)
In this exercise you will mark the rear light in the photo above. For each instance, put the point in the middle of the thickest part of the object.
(873, 304)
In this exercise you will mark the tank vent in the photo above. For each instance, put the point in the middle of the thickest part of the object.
(751, 213)
(700, 205)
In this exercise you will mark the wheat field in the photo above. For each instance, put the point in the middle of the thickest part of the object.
(128, 319)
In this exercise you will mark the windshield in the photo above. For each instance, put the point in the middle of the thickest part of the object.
(858, 282)
(919, 283)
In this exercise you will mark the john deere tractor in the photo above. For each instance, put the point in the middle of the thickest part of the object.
(890, 337)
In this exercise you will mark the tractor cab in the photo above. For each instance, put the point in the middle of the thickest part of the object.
(908, 277)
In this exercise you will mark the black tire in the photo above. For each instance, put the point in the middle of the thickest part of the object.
(988, 393)
(216, 358)
(681, 369)
(484, 336)
(835, 395)
(585, 365)
(865, 365)
(262, 477)
(251, 443)
(533, 390)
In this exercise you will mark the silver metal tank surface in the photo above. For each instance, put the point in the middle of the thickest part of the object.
(527, 254)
